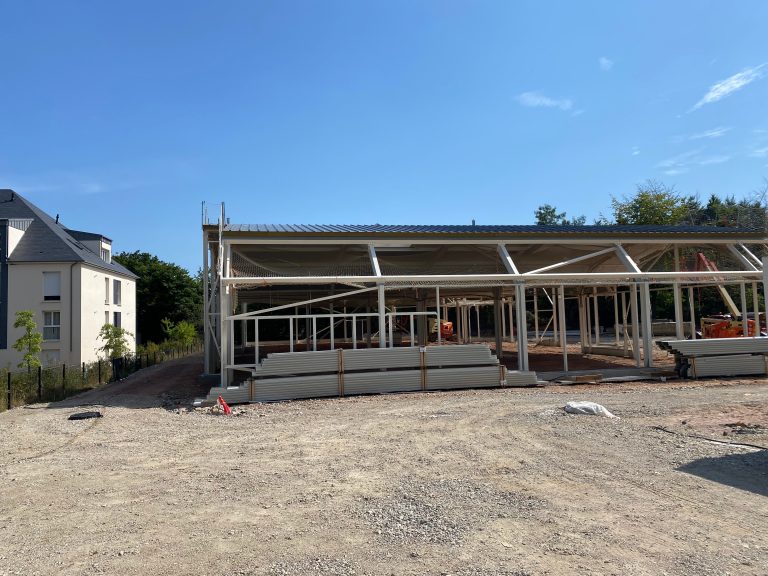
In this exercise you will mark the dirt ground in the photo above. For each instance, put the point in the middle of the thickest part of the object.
(469, 483)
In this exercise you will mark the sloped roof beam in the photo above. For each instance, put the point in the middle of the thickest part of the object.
(626, 259)
(571, 261)
(741, 258)
(506, 259)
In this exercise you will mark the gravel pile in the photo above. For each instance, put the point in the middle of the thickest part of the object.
(321, 566)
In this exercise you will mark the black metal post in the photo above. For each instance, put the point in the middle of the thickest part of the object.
(83, 373)
(64, 380)
(99, 370)
(39, 383)
(9, 390)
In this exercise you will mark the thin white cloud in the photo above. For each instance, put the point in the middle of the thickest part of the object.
(759, 153)
(538, 100)
(684, 162)
(713, 133)
(605, 63)
(635, 151)
(730, 85)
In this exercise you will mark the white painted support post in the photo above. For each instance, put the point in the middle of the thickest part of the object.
(256, 341)
(645, 294)
(391, 327)
(692, 312)
(244, 328)
(678, 299)
(206, 309)
(503, 320)
(616, 314)
(224, 313)
(457, 328)
(439, 337)
(555, 318)
(314, 333)
(744, 319)
(563, 334)
(382, 319)
(756, 308)
(290, 336)
(411, 335)
(331, 327)
(477, 315)
(635, 323)
(597, 317)
(345, 322)
(354, 333)
(624, 322)
(498, 308)
(512, 332)
(588, 312)
(536, 314)
(522, 328)
(582, 338)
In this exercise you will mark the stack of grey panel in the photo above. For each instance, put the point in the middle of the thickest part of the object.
(718, 356)
(292, 375)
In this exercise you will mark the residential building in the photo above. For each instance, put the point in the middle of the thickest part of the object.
(66, 277)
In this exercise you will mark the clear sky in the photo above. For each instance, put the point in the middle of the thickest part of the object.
(123, 116)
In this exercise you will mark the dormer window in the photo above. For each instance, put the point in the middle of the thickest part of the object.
(106, 255)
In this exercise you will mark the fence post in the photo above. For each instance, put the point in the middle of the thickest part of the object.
(9, 390)
(99, 362)
(39, 383)
(83, 383)
(64, 380)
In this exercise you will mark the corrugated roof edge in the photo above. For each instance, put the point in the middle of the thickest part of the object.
(523, 229)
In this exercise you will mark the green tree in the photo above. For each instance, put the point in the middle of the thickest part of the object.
(182, 333)
(30, 343)
(163, 290)
(115, 341)
(653, 203)
(547, 215)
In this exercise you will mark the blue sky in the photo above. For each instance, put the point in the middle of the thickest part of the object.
(124, 116)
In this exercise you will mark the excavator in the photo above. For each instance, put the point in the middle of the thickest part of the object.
(723, 325)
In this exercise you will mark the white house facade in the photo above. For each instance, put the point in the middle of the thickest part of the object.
(66, 277)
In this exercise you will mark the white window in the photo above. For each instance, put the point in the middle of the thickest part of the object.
(117, 320)
(105, 255)
(51, 325)
(106, 290)
(51, 285)
(116, 293)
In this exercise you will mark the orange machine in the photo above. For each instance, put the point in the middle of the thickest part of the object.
(723, 326)
(446, 329)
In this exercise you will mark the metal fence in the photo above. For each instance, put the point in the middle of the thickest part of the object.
(54, 383)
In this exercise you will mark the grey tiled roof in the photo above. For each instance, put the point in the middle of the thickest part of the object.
(480, 229)
(48, 241)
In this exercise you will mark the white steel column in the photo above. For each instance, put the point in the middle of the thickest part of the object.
(693, 314)
(597, 317)
(224, 313)
(477, 315)
(512, 333)
(616, 314)
(679, 331)
(382, 319)
(563, 335)
(439, 319)
(536, 314)
(645, 295)
(206, 311)
(635, 323)
(744, 320)
(756, 308)
(522, 329)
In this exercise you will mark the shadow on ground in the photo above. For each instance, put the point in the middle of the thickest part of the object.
(744, 471)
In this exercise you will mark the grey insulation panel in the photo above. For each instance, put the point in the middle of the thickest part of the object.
(717, 346)
(382, 382)
(731, 365)
(453, 378)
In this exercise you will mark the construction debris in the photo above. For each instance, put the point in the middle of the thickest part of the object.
(590, 408)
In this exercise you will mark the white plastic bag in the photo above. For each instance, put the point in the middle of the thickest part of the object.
(584, 407)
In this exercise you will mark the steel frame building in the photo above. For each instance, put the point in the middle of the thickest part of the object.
(355, 282)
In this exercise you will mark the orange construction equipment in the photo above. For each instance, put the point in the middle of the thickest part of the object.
(723, 326)
(446, 329)
(225, 406)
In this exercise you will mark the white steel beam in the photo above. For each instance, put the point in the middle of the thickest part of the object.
(751, 255)
(625, 259)
(571, 261)
(741, 258)
(302, 303)
(506, 259)
(374, 260)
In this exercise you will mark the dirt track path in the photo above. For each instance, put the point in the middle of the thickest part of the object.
(469, 483)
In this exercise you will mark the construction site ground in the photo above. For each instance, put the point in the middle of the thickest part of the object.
(466, 483)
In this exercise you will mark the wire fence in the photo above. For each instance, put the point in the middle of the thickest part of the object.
(54, 383)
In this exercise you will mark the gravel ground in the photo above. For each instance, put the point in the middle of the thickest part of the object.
(468, 483)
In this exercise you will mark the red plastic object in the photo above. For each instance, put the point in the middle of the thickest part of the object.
(227, 409)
